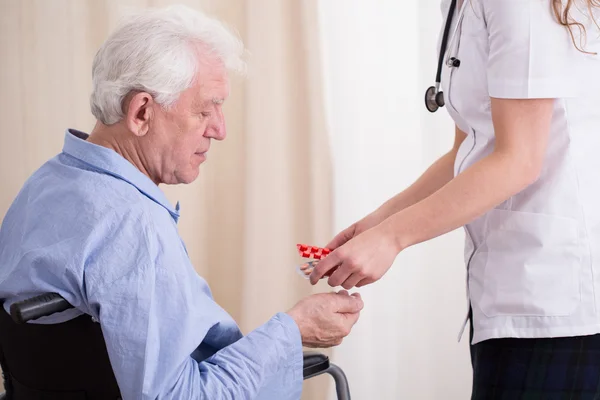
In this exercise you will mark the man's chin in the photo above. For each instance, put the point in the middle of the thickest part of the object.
(185, 178)
(191, 177)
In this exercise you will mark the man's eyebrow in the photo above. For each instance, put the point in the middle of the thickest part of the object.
(214, 100)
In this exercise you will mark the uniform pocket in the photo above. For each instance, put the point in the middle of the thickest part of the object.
(532, 265)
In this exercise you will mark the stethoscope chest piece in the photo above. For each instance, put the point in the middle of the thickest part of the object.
(434, 99)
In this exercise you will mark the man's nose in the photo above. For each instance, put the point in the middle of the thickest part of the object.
(217, 129)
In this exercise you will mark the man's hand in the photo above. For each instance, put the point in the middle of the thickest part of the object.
(362, 260)
(325, 319)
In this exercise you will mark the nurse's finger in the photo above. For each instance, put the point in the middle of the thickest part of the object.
(352, 280)
(365, 282)
(339, 276)
(323, 267)
(331, 271)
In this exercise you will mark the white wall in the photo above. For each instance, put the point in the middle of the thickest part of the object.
(379, 57)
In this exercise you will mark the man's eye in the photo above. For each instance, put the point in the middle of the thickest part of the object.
(205, 114)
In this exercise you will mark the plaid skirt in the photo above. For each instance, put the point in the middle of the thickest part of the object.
(566, 368)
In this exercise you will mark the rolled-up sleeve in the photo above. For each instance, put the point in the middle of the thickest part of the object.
(156, 315)
(531, 55)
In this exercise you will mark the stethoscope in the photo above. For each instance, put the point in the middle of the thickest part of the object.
(434, 98)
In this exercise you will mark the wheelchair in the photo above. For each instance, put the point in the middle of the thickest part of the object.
(69, 360)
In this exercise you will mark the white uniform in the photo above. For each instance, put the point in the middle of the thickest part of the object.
(534, 261)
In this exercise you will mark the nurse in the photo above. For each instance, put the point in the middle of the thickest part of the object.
(520, 79)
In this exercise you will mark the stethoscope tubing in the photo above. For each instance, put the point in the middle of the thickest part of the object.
(434, 98)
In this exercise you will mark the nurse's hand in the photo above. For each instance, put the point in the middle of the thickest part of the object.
(360, 261)
(355, 229)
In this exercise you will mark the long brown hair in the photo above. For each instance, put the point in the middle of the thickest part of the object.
(563, 15)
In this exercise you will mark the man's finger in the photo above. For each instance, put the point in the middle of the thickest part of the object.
(352, 317)
(349, 304)
(326, 264)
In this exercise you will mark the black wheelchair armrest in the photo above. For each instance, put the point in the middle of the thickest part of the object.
(314, 364)
(37, 307)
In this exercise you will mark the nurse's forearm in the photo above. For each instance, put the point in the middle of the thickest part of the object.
(478, 189)
(436, 176)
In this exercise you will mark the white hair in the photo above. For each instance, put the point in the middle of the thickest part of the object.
(156, 52)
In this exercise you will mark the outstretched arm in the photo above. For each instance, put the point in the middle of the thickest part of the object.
(521, 129)
(436, 176)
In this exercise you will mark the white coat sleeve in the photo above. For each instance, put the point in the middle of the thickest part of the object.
(531, 55)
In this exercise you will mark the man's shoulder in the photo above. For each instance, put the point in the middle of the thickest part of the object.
(65, 183)
(68, 198)
(62, 218)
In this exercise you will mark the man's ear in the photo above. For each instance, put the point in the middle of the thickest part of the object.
(138, 110)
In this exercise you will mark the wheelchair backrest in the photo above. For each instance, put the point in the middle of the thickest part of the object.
(66, 361)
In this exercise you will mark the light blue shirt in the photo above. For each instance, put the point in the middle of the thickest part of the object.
(92, 227)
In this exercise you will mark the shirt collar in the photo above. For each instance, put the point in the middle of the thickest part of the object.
(112, 163)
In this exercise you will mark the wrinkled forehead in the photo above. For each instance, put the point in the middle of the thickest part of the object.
(202, 96)
(211, 84)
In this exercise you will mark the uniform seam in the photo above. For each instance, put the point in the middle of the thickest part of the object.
(581, 209)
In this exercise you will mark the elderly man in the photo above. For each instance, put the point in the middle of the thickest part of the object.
(93, 225)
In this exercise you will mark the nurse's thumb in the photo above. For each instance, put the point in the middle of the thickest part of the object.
(341, 237)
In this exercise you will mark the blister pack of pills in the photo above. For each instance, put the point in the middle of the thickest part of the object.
(313, 255)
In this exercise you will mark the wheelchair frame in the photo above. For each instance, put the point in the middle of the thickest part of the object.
(315, 363)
